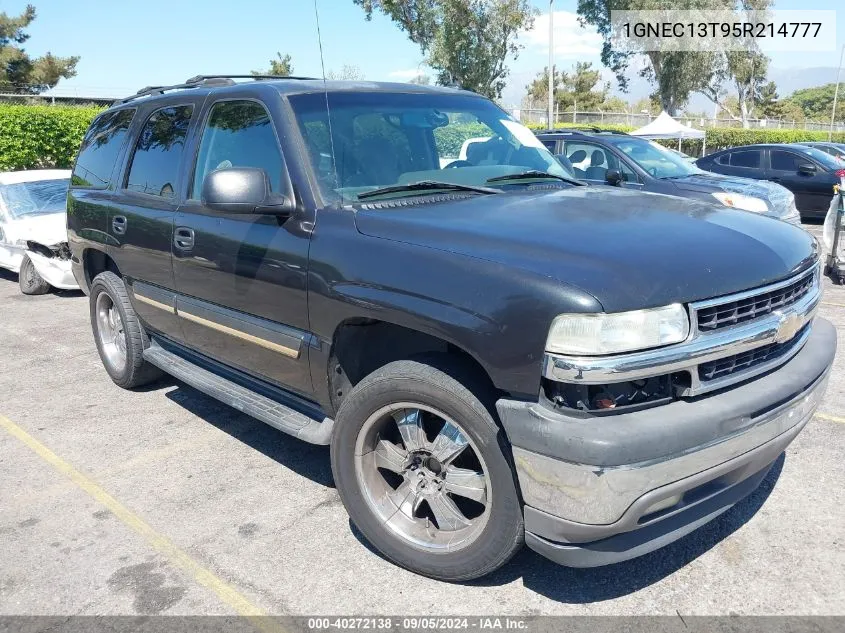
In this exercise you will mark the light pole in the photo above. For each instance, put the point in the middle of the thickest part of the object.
(551, 65)
(835, 95)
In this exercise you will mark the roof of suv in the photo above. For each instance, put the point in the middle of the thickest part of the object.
(588, 131)
(204, 84)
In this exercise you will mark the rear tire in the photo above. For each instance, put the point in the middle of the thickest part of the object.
(29, 280)
(376, 431)
(118, 333)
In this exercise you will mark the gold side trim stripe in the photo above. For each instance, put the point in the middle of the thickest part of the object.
(287, 351)
(155, 304)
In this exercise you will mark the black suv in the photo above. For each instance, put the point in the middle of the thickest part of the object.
(616, 158)
(807, 172)
(495, 352)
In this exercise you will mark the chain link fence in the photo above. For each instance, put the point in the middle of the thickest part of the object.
(539, 116)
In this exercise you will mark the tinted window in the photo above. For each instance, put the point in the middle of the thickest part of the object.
(784, 161)
(749, 158)
(158, 151)
(724, 159)
(238, 134)
(100, 148)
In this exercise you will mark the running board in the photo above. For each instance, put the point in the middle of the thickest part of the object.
(246, 400)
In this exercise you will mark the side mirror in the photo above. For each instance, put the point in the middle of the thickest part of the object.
(243, 190)
(613, 177)
(807, 169)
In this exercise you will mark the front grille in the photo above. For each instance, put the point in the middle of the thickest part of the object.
(734, 312)
(747, 360)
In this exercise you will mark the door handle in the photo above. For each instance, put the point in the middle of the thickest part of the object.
(183, 238)
(118, 224)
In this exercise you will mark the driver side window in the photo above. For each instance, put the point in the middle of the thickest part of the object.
(238, 134)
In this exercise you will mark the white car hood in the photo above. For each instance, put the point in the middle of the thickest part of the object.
(49, 229)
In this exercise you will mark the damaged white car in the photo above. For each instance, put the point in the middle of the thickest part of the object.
(33, 229)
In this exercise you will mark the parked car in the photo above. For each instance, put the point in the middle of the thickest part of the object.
(807, 172)
(495, 352)
(33, 235)
(837, 150)
(621, 159)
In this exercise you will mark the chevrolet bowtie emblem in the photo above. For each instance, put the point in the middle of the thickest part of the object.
(788, 328)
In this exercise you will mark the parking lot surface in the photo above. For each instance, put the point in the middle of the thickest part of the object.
(163, 501)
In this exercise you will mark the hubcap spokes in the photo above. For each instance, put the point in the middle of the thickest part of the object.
(111, 332)
(429, 499)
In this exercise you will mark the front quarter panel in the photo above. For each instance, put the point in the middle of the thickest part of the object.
(498, 314)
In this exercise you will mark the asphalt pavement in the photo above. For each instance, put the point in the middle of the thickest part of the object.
(164, 501)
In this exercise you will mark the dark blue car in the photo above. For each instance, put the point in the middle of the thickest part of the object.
(621, 159)
(807, 172)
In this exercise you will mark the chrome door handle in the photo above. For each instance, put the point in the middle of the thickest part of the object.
(118, 224)
(183, 238)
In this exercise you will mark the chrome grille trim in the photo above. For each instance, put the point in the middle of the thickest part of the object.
(702, 347)
(718, 312)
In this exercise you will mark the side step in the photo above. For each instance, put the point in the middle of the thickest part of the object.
(258, 406)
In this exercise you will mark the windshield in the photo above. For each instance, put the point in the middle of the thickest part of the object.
(38, 197)
(827, 161)
(382, 139)
(655, 159)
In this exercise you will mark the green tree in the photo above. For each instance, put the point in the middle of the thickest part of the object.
(768, 99)
(346, 73)
(465, 41)
(744, 72)
(615, 104)
(817, 103)
(21, 74)
(581, 88)
(675, 74)
(282, 66)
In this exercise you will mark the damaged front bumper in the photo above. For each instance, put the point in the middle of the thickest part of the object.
(603, 489)
(53, 264)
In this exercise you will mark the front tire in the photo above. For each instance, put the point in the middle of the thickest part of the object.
(118, 333)
(423, 470)
(30, 282)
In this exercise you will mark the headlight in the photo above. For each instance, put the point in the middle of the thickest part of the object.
(739, 201)
(595, 334)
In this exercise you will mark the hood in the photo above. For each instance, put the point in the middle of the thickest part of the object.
(628, 249)
(779, 198)
(48, 229)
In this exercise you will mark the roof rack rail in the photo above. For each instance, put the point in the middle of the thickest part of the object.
(199, 81)
(201, 78)
(584, 128)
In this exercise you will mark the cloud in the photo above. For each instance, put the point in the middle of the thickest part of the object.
(409, 73)
(571, 39)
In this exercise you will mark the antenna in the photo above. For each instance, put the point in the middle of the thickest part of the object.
(325, 90)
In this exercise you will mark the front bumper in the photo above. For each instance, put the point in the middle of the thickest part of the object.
(602, 489)
(56, 272)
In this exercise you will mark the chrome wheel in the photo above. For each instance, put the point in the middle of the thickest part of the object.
(111, 333)
(423, 476)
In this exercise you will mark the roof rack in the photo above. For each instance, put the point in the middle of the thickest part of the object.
(200, 81)
(586, 128)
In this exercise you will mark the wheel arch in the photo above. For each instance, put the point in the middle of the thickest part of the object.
(359, 346)
(95, 261)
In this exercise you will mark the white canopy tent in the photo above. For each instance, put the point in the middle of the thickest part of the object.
(665, 126)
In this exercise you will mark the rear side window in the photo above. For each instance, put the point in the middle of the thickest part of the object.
(784, 161)
(100, 147)
(155, 162)
(749, 158)
(238, 134)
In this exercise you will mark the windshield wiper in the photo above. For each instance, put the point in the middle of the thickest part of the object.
(535, 174)
(434, 186)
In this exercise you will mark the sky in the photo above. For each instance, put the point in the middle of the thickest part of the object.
(130, 44)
